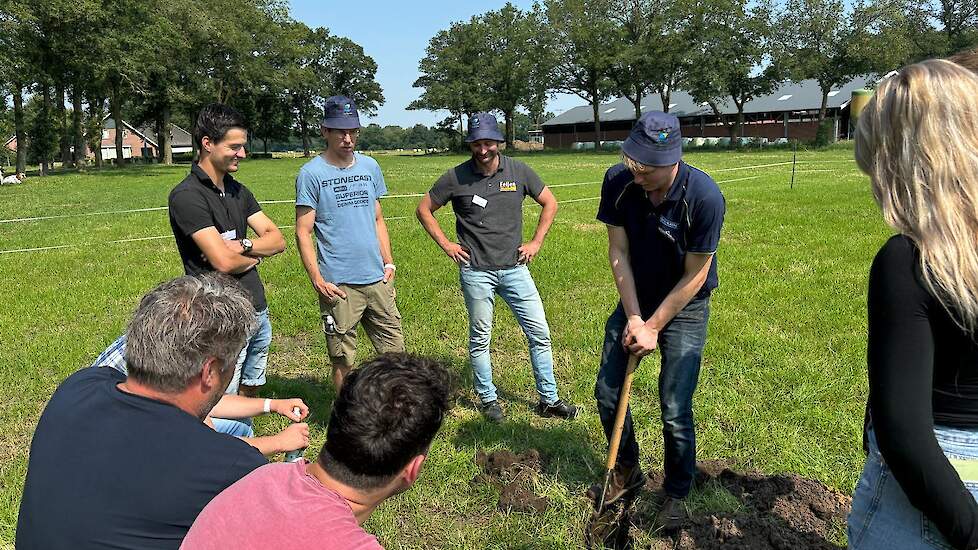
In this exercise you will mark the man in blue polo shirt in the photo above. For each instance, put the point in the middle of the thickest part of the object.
(351, 268)
(664, 219)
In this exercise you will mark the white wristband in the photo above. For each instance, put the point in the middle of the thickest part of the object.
(267, 407)
(391, 267)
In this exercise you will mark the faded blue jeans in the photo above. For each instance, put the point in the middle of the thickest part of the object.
(882, 516)
(680, 345)
(250, 369)
(516, 287)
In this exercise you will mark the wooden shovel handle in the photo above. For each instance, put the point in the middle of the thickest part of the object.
(626, 390)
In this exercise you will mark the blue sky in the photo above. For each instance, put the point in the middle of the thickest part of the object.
(395, 34)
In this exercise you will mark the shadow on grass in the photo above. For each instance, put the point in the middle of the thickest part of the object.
(317, 394)
(564, 448)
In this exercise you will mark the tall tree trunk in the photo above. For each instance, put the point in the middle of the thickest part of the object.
(510, 129)
(595, 107)
(192, 117)
(665, 94)
(264, 142)
(115, 107)
(81, 159)
(63, 142)
(304, 130)
(461, 133)
(95, 113)
(45, 114)
(19, 131)
(164, 136)
(825, 104)
(637, 102)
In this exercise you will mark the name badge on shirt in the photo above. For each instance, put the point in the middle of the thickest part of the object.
(507, 186)
(230, 235)
(479, 201)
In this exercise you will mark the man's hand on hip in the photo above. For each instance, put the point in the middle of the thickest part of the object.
(456, 252)
(529, 251)
(329, 290)
(638, 338)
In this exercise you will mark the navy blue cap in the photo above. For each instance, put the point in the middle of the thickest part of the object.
(483, 126)
(655, 140)
(341, 113)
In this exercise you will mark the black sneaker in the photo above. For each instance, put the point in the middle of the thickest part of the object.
(558, 408)
(492, 411)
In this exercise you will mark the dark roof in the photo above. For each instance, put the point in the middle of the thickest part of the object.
(180, 137)
(790, 96)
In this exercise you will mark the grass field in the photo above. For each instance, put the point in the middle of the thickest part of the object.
(782, 388)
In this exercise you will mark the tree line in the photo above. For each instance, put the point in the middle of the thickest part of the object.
(720, 51)
(156, 63)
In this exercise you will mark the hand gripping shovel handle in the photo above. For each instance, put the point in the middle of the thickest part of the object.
(626, 389)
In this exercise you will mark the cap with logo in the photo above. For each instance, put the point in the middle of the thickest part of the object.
(341, 113)
(483, 126)
(655, 140)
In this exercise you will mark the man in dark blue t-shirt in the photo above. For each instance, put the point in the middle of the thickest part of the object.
(122, 462)
(664, 220)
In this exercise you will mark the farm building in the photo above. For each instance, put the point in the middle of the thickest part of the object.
(791, 111)
(138, 142)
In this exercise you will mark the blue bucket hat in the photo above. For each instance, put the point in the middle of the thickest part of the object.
(341, 113)
(655, 140)
(483, 126)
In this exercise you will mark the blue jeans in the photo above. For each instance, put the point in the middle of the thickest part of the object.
(882, 516)
(516, 287)
(236, 427)
(250, 369)
(680, 344)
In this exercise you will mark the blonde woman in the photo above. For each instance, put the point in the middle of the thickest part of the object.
(918, 141)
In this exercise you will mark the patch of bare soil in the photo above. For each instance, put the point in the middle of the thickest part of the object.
(513, 475)
(782, 511)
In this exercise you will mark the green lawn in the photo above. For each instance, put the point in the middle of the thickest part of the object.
(782, 388)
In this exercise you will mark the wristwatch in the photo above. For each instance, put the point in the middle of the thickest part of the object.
(247, 245)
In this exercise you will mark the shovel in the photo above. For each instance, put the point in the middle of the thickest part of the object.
(626, 390)
(602, 528)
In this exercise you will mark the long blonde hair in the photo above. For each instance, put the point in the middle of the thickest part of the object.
(917, 139)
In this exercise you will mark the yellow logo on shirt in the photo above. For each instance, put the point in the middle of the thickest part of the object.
(507, 186)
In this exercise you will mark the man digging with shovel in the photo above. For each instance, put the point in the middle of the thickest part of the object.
(664, 219)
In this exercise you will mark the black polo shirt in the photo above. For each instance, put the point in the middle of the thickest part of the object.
(488, 209)
(196, 203)
(688, 220)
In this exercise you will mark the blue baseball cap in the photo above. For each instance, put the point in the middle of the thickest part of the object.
(655, 140)
(341, 113)
(483, 126)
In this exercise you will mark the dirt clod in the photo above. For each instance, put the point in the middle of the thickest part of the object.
(782, 511)
(514, 476)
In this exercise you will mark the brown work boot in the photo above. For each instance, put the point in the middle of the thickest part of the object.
(672, 514)
(625, 481)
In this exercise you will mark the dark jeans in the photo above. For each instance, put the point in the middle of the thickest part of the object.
(681, 348)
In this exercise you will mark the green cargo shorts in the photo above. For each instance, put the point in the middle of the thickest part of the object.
(371, 305)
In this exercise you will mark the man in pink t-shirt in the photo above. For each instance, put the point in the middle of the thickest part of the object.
(381, 426)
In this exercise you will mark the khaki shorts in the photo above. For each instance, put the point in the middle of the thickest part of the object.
(372, 306)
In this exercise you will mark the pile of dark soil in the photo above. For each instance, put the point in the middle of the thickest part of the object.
(783, 511)
(513, 475)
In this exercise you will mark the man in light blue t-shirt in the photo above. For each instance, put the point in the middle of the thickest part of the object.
(351, 267)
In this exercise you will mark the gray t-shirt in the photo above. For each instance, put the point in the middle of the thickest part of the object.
(488, 209)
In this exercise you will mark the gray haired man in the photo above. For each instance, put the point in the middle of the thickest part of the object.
(128, 462)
